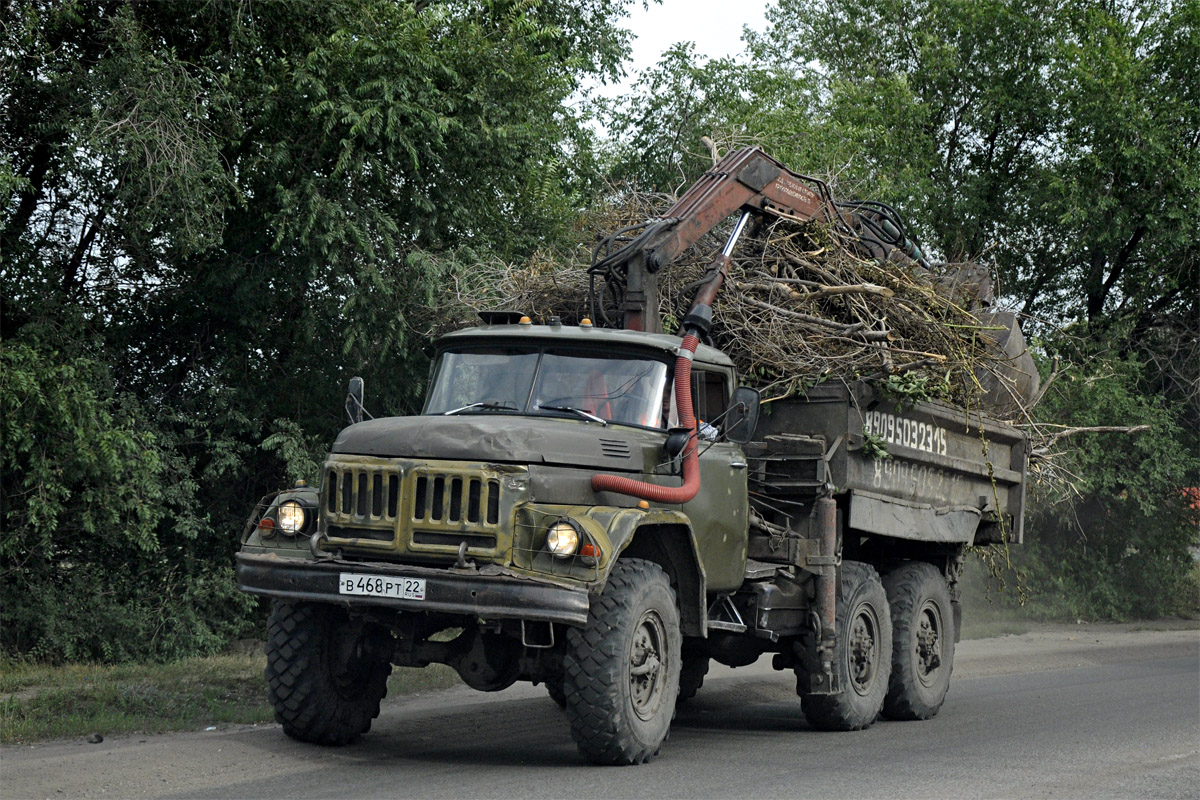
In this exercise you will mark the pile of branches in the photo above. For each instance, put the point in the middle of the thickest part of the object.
(800, 308)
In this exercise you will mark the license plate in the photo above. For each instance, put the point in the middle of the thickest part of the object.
(379, 586)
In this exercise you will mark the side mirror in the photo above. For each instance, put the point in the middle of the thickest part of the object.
(742, 416)
(354, 401)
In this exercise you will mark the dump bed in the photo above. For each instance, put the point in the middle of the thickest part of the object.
(929, 471)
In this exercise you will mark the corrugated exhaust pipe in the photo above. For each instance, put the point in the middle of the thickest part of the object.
(691, 463)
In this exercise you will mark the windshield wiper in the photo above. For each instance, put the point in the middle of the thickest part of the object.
(585, 414)
(484, 406)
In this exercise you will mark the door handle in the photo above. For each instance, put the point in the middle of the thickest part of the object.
(737, 464)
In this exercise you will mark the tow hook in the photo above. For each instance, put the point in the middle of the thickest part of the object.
(314, 546)
(461, 562)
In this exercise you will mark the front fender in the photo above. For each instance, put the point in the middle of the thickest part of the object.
(665, 537)
(622, 524)
(610, 528)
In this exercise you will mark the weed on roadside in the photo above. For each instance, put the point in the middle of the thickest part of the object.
(40, 702)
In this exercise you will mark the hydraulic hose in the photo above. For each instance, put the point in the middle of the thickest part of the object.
(691, 463)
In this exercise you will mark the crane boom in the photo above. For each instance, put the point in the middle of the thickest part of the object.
(749, 181)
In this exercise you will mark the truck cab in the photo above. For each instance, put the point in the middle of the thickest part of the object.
(479, 514)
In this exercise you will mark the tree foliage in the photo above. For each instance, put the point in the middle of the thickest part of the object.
(212, 214)
(671, 106)
(1060, 139)
(1060, 142)
(1118, 543)
(103, 549)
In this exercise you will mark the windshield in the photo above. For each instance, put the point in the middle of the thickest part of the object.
(549, 381)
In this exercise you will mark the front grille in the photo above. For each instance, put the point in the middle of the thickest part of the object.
(418, 510)
(485, 541)
(362, 493)
(456, 498)
(376, 534)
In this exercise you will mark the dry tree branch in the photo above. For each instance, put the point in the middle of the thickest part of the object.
(1052, 440)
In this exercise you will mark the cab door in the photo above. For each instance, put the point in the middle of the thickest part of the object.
(719, 512)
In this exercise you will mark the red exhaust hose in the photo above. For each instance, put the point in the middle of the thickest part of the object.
(691, 464)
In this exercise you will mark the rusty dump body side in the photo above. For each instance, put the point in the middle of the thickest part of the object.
(948, 476)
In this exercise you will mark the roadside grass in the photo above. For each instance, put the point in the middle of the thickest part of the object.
(993, 628)
(1180, 624)
(987, 614)
(40, 702)
(984, 619)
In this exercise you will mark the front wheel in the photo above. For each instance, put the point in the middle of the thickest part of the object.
(621, 670)
(326, 672)
(862, 660)
(923, 653)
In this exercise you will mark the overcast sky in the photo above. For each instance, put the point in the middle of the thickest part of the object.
(714, 25)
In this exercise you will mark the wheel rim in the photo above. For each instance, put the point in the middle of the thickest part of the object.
(862, 651)
(647, 665)
(928, 643)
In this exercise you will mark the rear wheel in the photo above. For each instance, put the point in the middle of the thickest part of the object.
(326, 672)
(621, 670)
(862, 660)
(923, 649)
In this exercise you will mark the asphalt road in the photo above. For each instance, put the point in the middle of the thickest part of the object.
(1066, 712)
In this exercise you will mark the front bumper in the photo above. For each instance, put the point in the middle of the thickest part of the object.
(487, 596)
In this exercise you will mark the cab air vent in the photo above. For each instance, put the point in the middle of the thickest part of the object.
(614, 448)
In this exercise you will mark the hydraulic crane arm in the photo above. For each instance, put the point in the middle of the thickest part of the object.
(749, 181)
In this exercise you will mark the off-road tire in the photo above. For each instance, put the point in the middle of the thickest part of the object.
(923, 641)
(862, 660)
(621, 670)
(325, 672)
(692, 670)
(554, 688)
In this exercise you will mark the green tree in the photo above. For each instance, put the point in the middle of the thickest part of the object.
(1117, 543)
(100, 523)
(1065, 136)
(658, 125)
(1059, 141)
(1062, 139)
(215, 212)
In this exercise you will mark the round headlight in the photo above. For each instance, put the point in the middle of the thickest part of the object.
(292, 517)
(562, 540)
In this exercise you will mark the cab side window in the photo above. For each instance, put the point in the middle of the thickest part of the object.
(710, 394)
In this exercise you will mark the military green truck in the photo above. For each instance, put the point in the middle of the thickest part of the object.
(558, 513)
